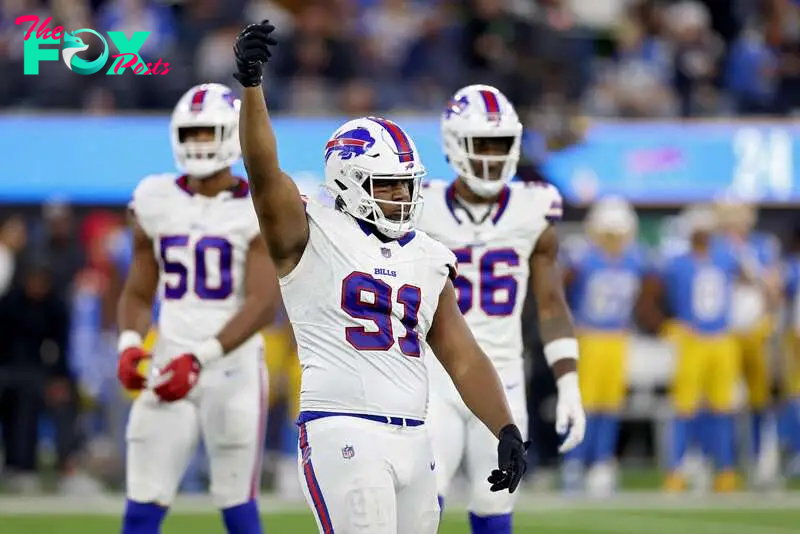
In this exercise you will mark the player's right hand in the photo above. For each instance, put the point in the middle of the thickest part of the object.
(511, 460)
(252, 51)
(128, 368)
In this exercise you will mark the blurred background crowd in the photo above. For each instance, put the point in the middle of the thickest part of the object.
(565, 64)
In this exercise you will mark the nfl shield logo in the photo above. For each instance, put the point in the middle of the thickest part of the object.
(386, 252)
(348, 452)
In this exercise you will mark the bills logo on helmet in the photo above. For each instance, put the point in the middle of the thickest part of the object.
(230, 98)
(350, 143)
(455, 107)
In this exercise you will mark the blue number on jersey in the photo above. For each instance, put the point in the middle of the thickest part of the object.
(202, 288)
(489, 284)
(368, 298)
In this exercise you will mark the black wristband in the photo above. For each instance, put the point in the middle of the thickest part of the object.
(251, 78)
(510, 430)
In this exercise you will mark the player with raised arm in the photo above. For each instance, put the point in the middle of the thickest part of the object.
(196, 240)
(366, 295)
(505, 244)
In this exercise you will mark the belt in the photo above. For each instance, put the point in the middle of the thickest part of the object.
(308, 416)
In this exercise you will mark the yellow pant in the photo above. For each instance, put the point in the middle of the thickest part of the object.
(755, 366)
(708, 369)
(602, 370)
(791, 366)
(283, 366)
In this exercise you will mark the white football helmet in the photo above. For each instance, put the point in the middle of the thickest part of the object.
(210, 105)
(365, 150)
(480, 111)
(612, 215)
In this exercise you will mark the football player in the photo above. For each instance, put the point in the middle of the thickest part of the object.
(603, 278)
(367, 296)
(698, 286)
(197, 242)
(502, 236)
(753, 319)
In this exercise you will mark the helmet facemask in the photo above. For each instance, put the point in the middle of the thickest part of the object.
(357, 187)
(477, 160)
(202, 150)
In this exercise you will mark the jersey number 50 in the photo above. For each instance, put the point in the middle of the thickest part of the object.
(203, 288)
(490, 284)
(368, 298)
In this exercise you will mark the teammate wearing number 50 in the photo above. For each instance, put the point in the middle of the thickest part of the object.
(197, 242)
(502, 235)
(367, 295)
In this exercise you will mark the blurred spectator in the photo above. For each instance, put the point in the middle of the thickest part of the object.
(313, 60)
(697, 54)
(12, 240)
(637, 82)
(34, 373)
(751, 75)
(55, 238)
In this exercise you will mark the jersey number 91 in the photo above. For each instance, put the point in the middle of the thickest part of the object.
(368, 298)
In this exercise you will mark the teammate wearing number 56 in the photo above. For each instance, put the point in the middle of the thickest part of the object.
(367, 296)
(197, 243)
(503, 238)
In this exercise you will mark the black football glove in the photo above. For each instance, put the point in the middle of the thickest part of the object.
(251, 51)
(511, 460)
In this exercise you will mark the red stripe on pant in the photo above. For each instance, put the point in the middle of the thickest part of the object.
(313, 486)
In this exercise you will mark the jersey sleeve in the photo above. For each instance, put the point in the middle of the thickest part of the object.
(555, 205)
(251, 228)
(149, 202)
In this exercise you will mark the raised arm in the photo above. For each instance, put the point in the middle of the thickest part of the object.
(276, 199)
(479, 385)
(558, 337)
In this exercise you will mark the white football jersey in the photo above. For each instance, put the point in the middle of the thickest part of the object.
(201, 244)
(492, 244)
(361, 309)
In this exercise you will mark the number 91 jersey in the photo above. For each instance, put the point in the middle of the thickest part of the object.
(201, 245)
(360, 310)
(492, 244)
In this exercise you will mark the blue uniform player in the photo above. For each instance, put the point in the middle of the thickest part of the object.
(603, 276)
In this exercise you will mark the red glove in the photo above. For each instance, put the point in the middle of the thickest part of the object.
(127, 368)
(177, 379)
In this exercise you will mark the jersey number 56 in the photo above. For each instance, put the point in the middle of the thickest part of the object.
(490, 286)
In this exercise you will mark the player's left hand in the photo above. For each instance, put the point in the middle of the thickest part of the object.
(570, 417)
(177, 379)
(511, 460)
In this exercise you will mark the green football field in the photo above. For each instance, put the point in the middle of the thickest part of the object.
(654, 514)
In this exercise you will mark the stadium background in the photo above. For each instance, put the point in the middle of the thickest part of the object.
(664, 102)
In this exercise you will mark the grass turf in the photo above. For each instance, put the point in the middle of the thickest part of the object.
(565, 520)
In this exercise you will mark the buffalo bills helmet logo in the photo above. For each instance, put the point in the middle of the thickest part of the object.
(456, 107)
(350, 143)
(230, 98)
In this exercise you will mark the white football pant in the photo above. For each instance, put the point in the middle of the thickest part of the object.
(457, 435)
(366, 477)
(228, 407)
